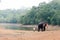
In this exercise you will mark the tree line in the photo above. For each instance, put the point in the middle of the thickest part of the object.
(49, 12)
(11, 16)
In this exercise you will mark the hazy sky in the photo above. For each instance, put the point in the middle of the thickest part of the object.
(16, 4)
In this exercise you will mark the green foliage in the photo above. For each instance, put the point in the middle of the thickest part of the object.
(48, 12)
(17, 27)
(11, 16)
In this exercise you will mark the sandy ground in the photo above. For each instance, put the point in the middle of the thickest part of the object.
(6, 34)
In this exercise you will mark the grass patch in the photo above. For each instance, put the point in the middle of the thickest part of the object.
(18, 28)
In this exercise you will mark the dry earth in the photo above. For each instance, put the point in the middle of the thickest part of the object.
(6, 34)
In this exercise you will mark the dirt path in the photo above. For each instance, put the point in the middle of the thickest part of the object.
(28, 35)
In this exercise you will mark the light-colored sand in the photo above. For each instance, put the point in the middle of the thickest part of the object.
(28, 35)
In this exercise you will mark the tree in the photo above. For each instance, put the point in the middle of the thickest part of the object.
(47, 12)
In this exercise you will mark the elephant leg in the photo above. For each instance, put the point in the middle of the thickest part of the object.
(38, 28)
(44, 28)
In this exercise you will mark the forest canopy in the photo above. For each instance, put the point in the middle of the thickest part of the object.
(49, 12)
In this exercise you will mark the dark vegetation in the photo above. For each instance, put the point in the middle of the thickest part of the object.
(49, 12)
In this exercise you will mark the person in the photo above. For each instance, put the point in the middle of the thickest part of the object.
(42, 26)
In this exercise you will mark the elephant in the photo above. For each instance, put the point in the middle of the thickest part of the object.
(42, 26)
